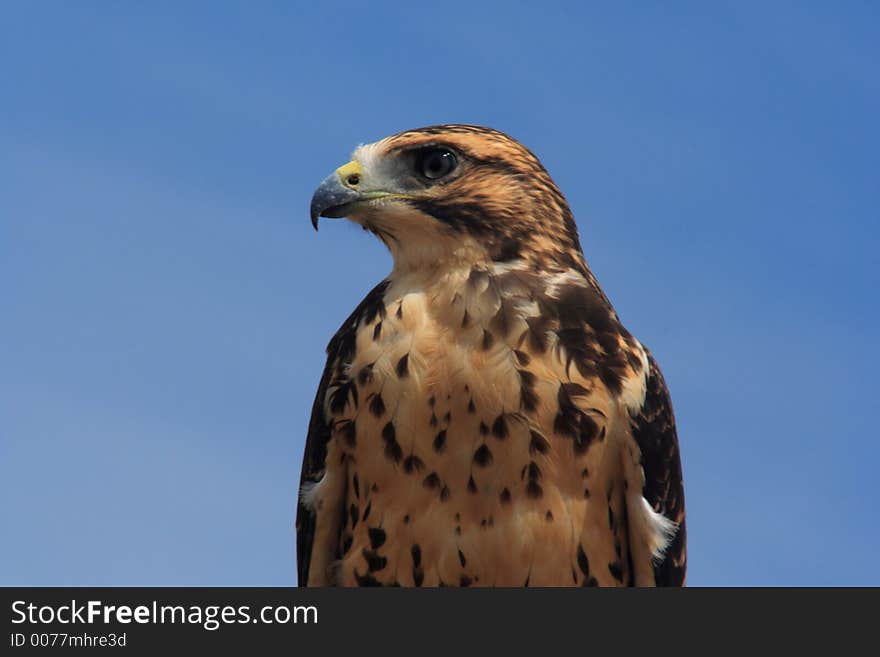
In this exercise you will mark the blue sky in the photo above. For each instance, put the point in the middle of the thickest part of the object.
(164, 302)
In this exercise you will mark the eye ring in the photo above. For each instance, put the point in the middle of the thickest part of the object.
(436, 162)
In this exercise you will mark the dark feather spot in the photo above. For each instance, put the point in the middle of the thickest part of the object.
(571, 422)
(356, 483)
(549, 516)
(339, 398)
(483, 456)
(440, 441)
(616, 571)
(579, 350)
(461, 559)
(375, 561)
(353, 513)
(465, 580)
(587, 432)
(505, 496)
(413, 463)
(431, 481)
(393, 450)
(583, 562)
(471, 407)
(377, 331)
(416, 552)
(367, 510)
(528, 398)
(349, 432)
(533, 471)
(471, 485)
(377, 405)
(484, 430)
(534, 490)
(499, 427)
(568, 418)
(377, 537)
(402, 368)
(538, 444)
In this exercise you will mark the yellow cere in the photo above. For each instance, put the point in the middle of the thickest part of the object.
(350, 174)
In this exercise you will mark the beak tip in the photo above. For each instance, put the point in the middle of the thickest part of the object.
(315, 208)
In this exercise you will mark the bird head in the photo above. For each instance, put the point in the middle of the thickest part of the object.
(454, 194)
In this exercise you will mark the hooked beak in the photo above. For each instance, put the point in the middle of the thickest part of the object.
(336, 194)
(343, 191)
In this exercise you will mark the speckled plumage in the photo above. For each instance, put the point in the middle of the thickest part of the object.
(484, 418)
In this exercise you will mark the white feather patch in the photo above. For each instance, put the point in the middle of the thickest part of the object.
(310, 493)
(654, 528)
(564, 279)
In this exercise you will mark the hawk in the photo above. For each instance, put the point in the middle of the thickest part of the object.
(484, 418)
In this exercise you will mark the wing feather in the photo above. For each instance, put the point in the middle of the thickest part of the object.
(340, 352)
(655, 433)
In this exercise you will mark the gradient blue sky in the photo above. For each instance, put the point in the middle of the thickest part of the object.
(164, 302)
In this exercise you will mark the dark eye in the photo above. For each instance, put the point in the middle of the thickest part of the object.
(434, 163)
